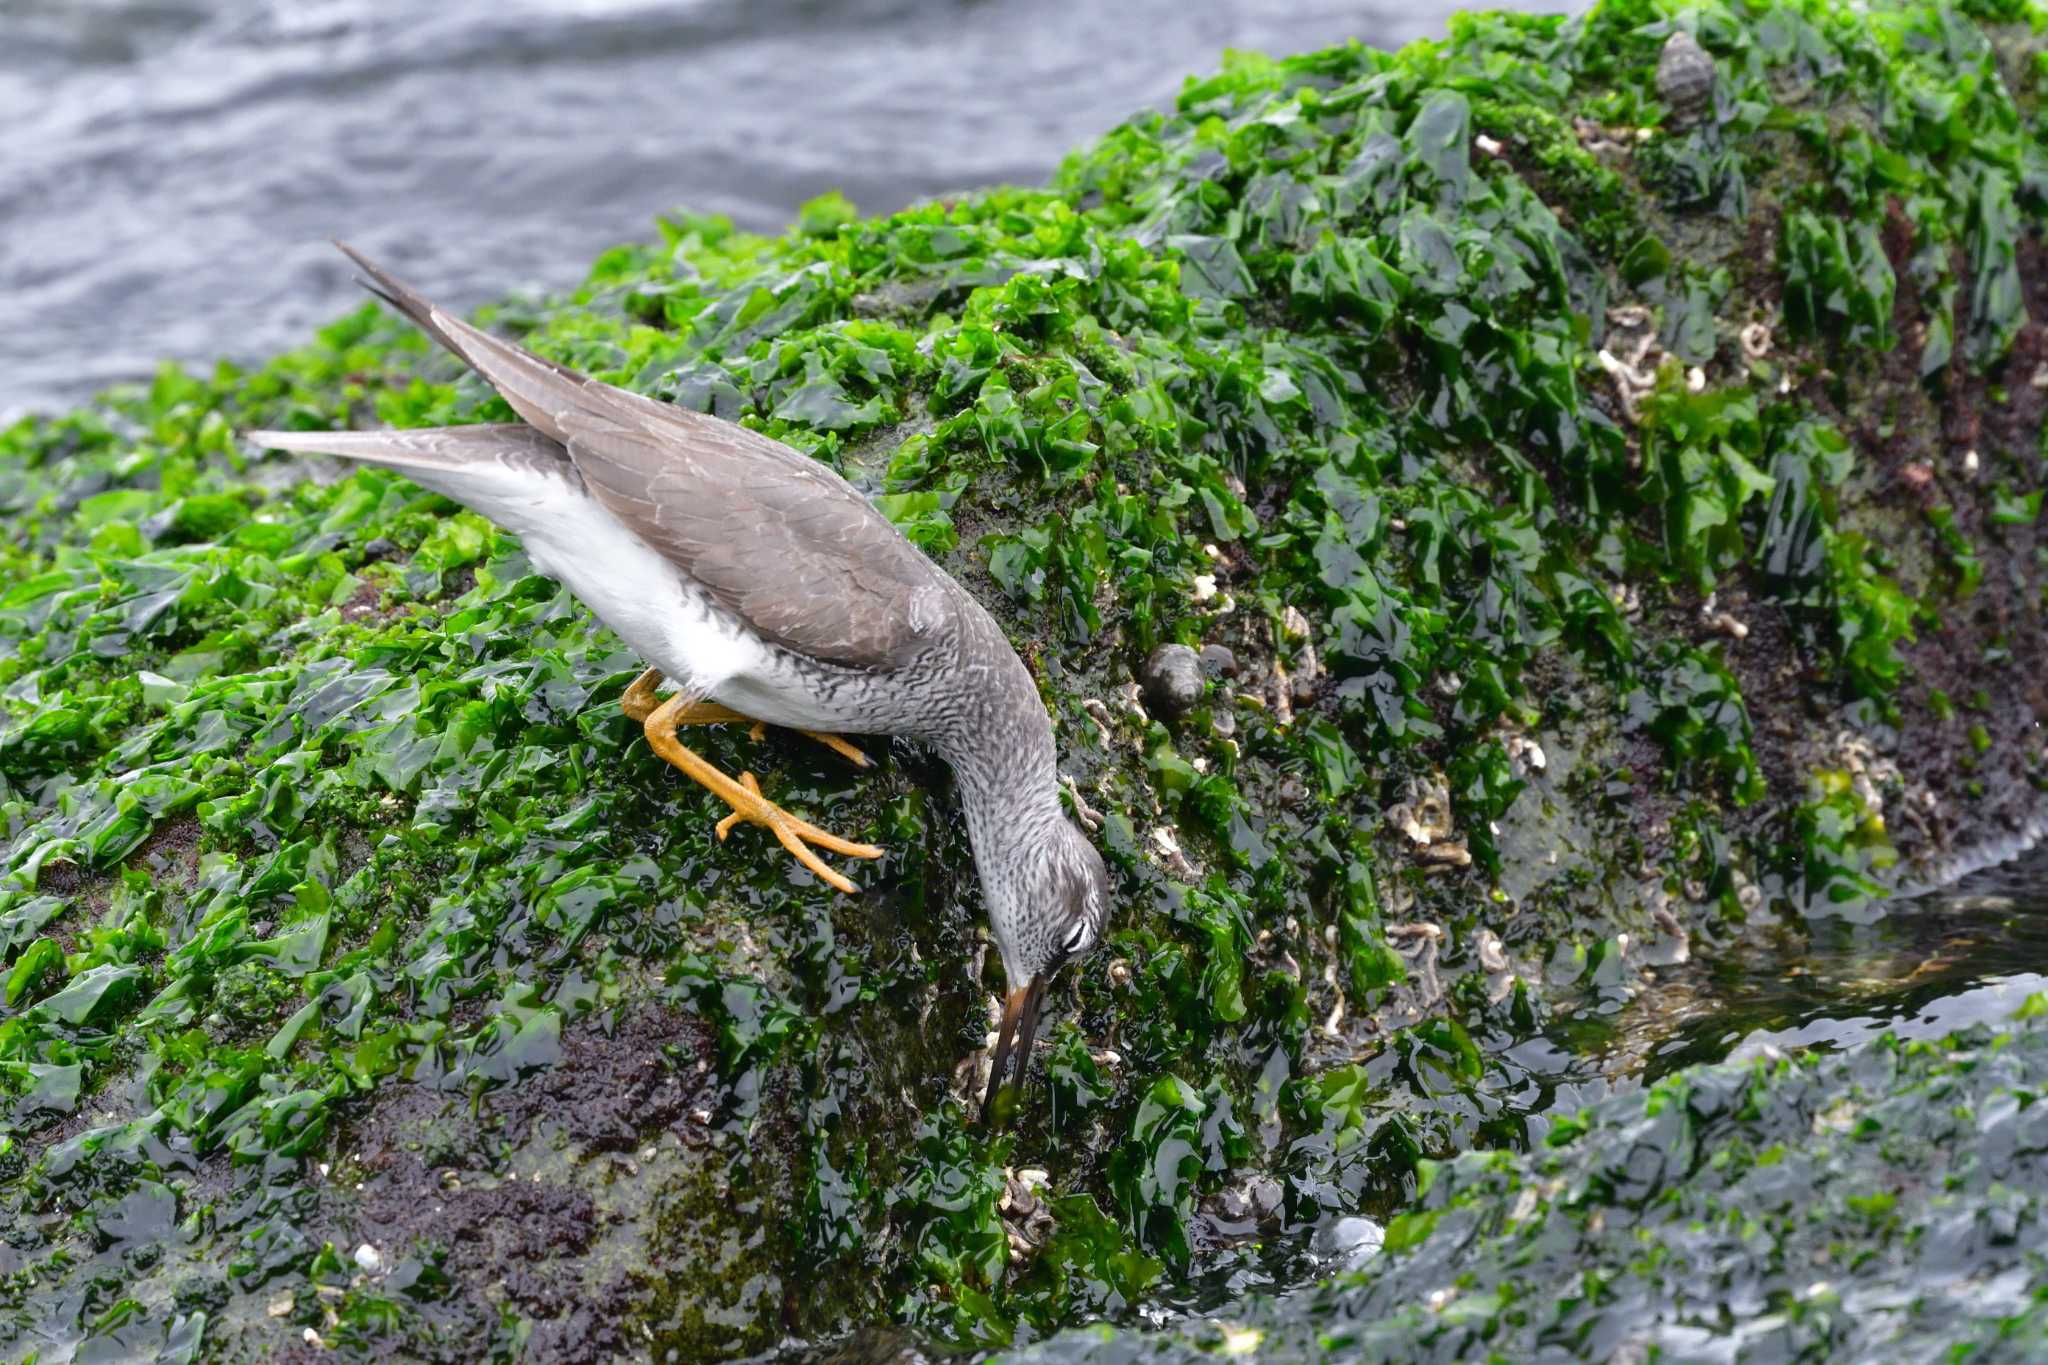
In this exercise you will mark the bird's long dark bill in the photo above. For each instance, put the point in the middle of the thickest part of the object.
(1020, 1027)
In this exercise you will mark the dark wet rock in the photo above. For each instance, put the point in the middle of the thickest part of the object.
(362, 603)
(61, 877)
(611, 1091)
(1172, 679)
(418, 1180)
(1230, 1203)
(1249, 1201)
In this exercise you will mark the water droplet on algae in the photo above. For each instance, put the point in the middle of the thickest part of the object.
(1349, 1242)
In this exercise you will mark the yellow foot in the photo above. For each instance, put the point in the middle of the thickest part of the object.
(851, 753)
(639, 702)
(747, 802)
(794, 834)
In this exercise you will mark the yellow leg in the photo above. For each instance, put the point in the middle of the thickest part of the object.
(747, 802)
(639, 703)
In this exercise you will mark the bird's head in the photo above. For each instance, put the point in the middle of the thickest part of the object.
(1051, 911)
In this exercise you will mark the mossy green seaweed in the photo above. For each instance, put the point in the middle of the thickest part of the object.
(1594, 508)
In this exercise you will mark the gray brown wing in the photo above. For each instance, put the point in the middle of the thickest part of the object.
(778, 539)
(792, 550)
(545, 393)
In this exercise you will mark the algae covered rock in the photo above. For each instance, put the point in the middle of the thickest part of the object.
(1857, 1207)
(1646, 516)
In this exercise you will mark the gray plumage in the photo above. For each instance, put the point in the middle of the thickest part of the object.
(759, 526)
(755, 576)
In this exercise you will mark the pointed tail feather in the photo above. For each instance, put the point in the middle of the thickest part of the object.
(451, 332)
(394, 291)
(539, 390)
(495, 443)
(507, 471)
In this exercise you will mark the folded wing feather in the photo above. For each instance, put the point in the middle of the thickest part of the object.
(776, 538)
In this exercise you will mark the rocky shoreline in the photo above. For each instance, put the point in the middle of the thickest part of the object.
(1600, 494)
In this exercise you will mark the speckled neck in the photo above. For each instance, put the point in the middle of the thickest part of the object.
(999, 742)
(998, 736)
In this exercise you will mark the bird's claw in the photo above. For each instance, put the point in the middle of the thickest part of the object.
(795, 835)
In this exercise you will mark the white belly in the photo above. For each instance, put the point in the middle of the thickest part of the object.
(774, 698)
(656, 610)
(654, 607)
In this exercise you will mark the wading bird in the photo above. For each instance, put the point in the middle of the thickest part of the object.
(768, 590)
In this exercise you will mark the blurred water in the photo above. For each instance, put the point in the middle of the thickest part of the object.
(1971, 953)
(171, 169)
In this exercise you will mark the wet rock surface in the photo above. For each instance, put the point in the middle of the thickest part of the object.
(1218, 661)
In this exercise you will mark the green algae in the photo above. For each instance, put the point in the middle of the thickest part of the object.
(1839, 1207)
(318, 806)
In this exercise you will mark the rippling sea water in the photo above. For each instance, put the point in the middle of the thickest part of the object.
(170, 170)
